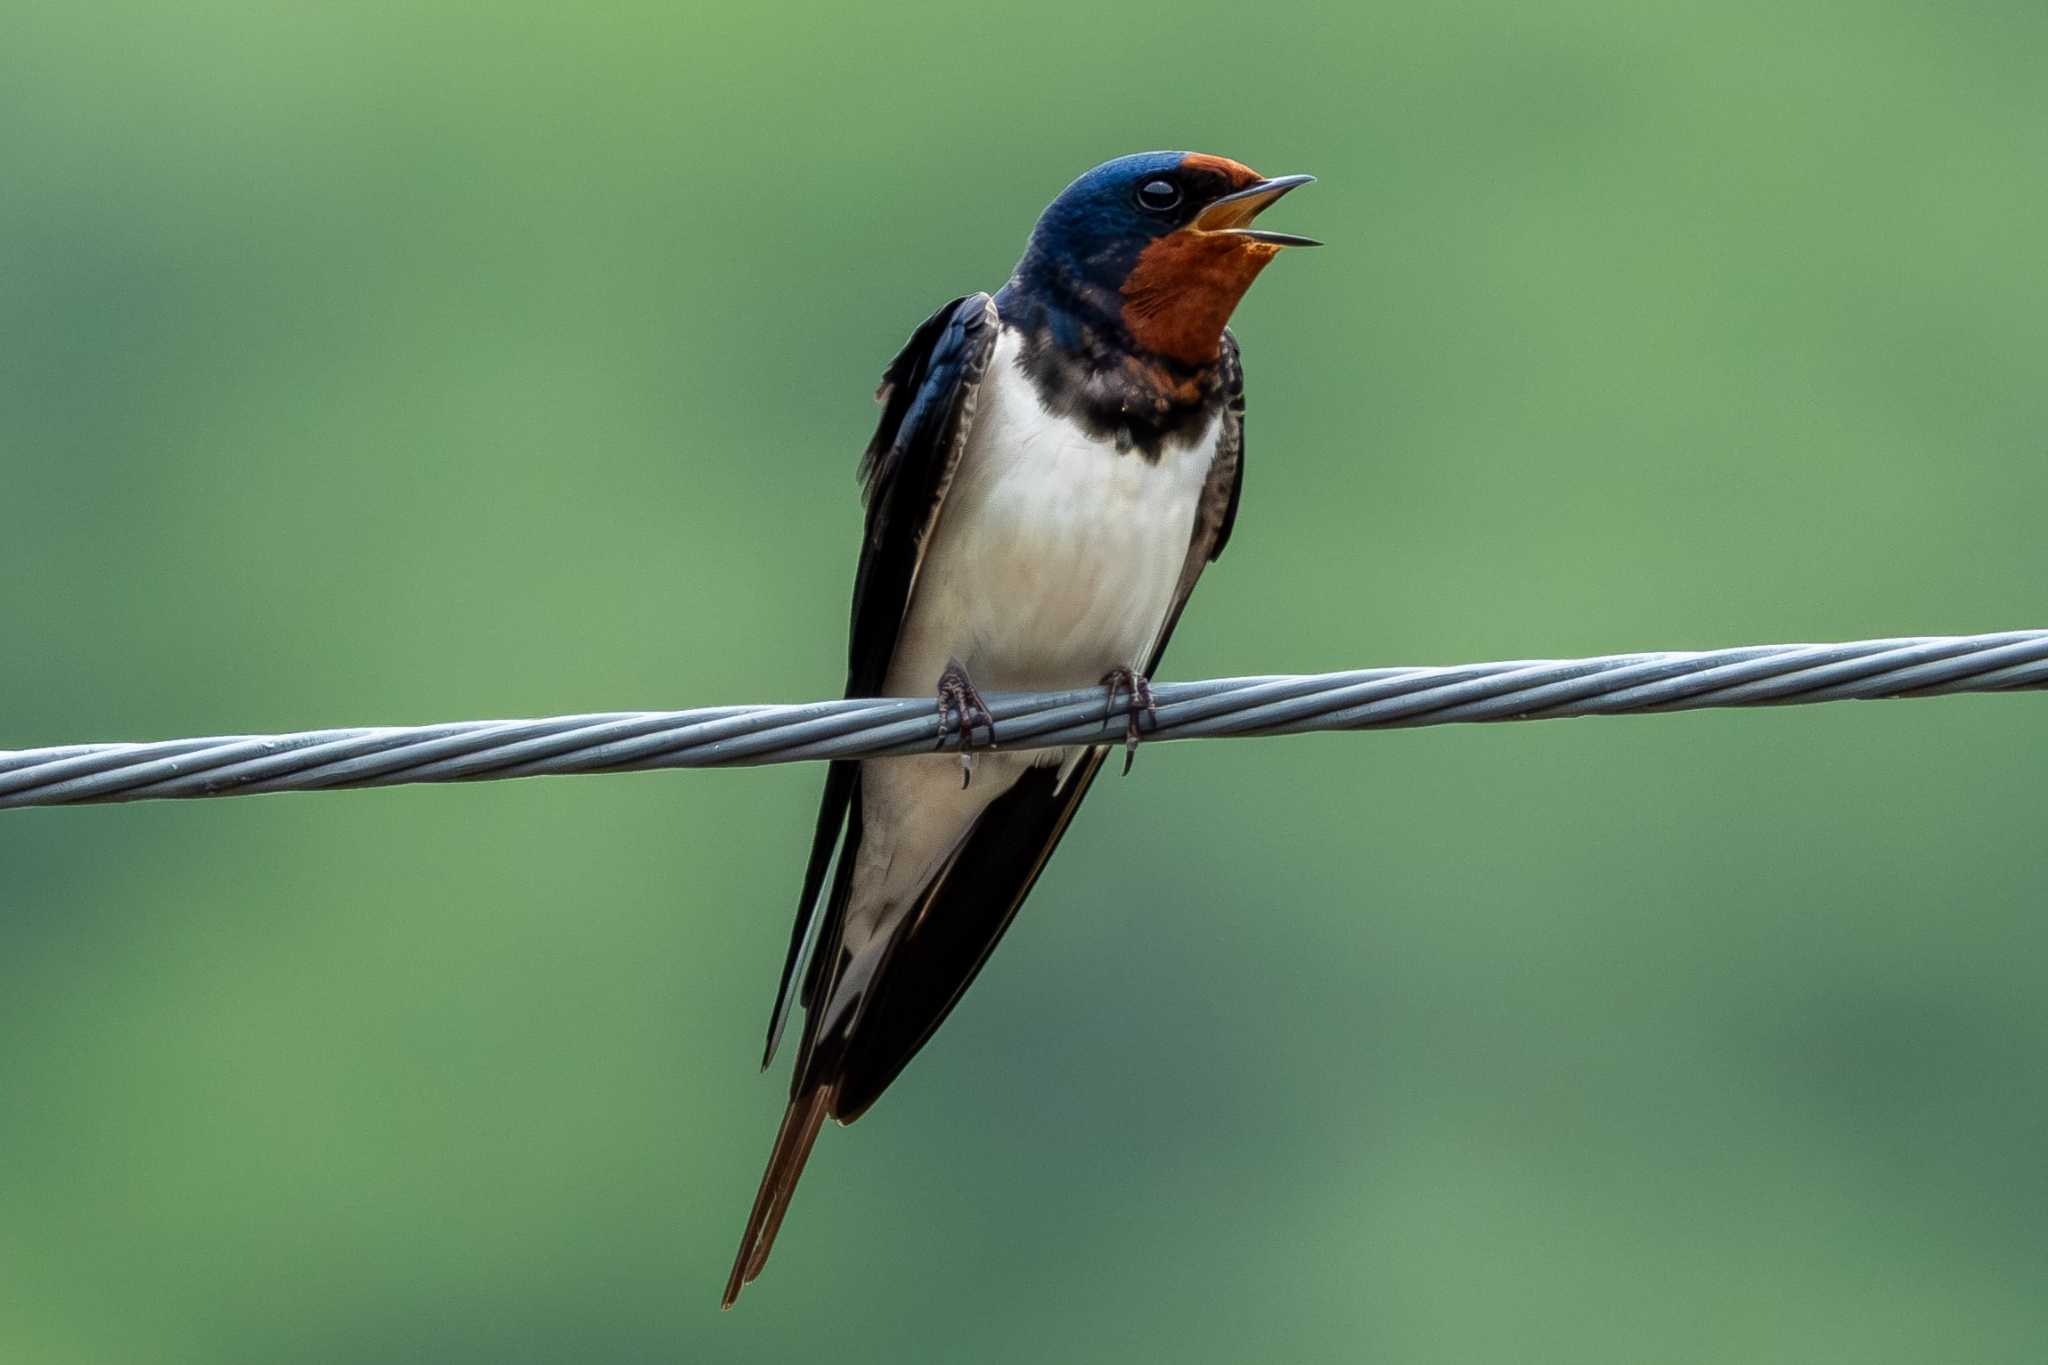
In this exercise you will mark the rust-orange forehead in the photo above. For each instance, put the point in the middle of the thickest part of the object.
(1236, 172)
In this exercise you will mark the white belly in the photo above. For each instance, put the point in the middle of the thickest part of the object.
(1056, 556)
(1054, 561)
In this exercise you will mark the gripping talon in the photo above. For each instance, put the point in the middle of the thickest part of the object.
(960, 710)
(1140, 705)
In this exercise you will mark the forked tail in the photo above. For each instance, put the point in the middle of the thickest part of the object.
(800, 1124)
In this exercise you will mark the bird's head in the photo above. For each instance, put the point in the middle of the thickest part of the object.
(1160, 245)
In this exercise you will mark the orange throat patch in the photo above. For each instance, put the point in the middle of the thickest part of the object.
(1181, 293)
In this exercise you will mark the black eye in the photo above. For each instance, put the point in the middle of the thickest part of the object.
(1158, 195)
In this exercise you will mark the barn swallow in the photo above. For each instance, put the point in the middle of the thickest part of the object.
(1053, 469)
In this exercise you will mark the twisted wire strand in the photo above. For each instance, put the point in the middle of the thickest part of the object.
(723, 736)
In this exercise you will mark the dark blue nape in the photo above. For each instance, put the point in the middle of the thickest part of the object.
(1085, 245)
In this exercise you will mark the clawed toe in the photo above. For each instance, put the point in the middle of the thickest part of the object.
(961, 709)
(1139, 706)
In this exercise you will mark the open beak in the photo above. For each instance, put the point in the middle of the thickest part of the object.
(1233, 213)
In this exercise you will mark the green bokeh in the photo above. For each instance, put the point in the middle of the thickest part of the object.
(407, 362)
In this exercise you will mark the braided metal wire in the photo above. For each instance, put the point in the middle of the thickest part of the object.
(1366, 699)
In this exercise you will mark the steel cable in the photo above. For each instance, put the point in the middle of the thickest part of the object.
(1365, 699)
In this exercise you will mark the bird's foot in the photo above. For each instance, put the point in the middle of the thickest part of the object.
(1140, 705)
(960, 710)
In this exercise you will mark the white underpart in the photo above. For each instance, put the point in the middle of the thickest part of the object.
(1054, 561)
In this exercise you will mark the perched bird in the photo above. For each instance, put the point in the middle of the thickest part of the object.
(1053, 468)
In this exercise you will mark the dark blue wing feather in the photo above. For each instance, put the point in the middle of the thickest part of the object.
(924, 394)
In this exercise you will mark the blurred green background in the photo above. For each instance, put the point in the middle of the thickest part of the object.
(410, 362)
